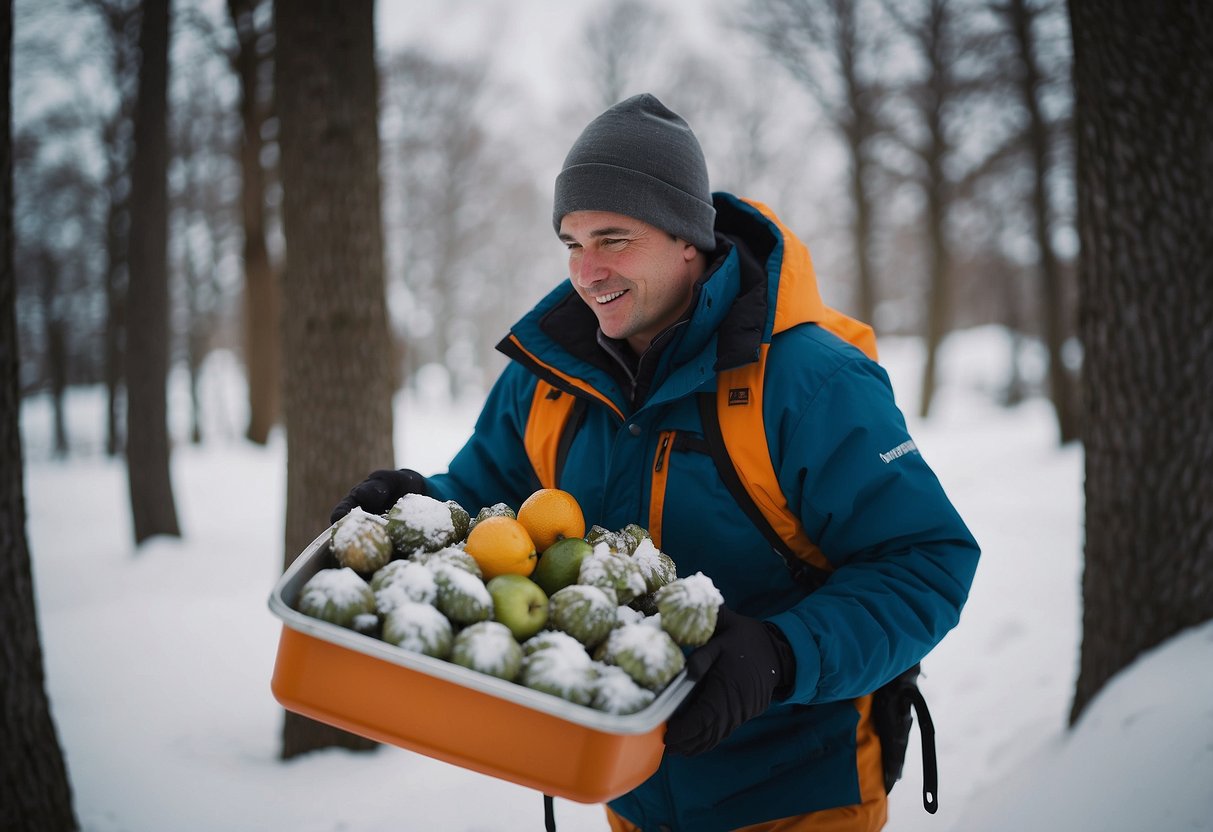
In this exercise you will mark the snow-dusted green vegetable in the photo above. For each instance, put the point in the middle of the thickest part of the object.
(420, 628)
(618, 573)
(617, 693)
(452, 555)
(337, 596)
(495, 510)
(417, 522)
(645, 653)
(462, 597)
(403, 580)
(488, 647)
(360, 541)
(656, 567)
(584, 612)
(688, 609)
(562, 670)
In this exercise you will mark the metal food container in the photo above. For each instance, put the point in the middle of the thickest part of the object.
(448, 712)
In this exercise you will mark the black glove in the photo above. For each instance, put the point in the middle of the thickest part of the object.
(379, 492)
(743, 666)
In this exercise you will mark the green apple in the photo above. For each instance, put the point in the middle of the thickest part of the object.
(519, 604)
(560, 564)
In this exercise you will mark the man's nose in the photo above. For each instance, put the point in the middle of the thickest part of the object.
(588, 268)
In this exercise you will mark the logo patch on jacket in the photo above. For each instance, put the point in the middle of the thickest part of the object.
(901, 450)
(739, 395)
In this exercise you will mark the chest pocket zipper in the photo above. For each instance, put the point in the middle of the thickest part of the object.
(668, 441)
(661, 470)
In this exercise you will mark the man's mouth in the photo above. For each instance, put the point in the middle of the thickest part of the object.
(607, 298)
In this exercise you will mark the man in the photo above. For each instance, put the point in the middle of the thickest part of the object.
(670, 286)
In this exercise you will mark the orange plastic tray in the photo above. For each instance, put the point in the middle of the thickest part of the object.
(454, 714)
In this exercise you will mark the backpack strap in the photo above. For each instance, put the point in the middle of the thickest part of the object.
(803, 572)
(733, 425)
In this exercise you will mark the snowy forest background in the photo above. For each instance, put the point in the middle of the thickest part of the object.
(479, 102)
(925, 151)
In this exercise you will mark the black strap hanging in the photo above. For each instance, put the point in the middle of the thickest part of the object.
(930, 766)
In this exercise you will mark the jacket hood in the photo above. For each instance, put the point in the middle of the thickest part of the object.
(791, 294)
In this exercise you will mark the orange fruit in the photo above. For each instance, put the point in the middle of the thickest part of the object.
(501, 546)
(550, 515)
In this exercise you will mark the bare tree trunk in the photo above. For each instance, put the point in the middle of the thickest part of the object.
(1062, 390)
(1143, 76)
(337, 402)
(119, 19)
(937, 40)
(197, 345)
(861, 234)
(261, 302)
(793, 31)
(55, 348)
(35, 794)
(115, 323)
(939, 264)
(147, 453)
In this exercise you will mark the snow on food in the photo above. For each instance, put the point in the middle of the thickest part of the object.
(612, 641)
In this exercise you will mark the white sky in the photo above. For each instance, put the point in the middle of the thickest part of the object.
(529, 41)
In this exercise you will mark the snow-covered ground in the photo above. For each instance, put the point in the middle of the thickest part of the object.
(158, 660)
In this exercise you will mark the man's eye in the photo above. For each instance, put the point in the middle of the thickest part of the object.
(613, 242)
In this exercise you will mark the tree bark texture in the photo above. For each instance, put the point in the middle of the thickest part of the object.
(262, 340)
(147, 347)
(337, 402)
(35, 793)
(1143, 76)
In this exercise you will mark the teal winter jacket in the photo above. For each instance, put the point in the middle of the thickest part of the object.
(903, 559)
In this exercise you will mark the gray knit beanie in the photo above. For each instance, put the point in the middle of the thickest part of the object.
(641, 160)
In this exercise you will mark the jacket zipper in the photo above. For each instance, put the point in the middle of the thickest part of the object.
(657, 487)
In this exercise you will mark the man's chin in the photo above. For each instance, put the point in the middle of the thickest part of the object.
(611, 326)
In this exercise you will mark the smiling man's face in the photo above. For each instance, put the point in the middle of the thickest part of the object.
(636, 277)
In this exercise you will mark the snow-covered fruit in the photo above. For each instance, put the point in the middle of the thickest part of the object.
(488, 647)
(647, 654)
(609, 571)
(417, 522)
(452, 555)
(337, 596)
(656, 567)
(616, 542)
(549, 638)
(433, 599)
(420, 628)
(403, 580)
(688, 608)
(585, 612)
(495, 510)
(617, 693)
(360, 541)
(561, 668)
(462, 597)
(632, 535)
